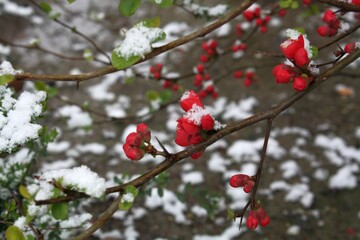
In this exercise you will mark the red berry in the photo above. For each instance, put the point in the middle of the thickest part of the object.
(200, 68)
(235, 48)
(301, 57)
(249, 15)
(239, 30)
(134, 139)
(263, 29)
(350, 47)
(239, 180)
(257, 12)
(300, 83)
(175, 87)
(250, 74)
(167, 84)
(213, 44)
(215, 95)
(259, 22)
(207, 122)
(242, 46)
(356, 2)
(282, 12)
(329, 16)
(264, 221)
(189, 99)
(207, 77)
(205, 46)
(157, 75)
(237, 74)
(204, 58)
(290, 46)
(202, 93)
(210, 89)
(196, 155)
(249, 186)
(247, 82)
(144, 131)
(211, 52)
(252, 220)
(306, 2)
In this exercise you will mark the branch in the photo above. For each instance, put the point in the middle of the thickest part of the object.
(343, 5)
(181, 41)
(75, 31)
(48, 51)
(174, 158)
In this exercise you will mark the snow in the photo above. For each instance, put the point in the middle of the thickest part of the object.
(138, 41)
(15, 9)
(216, 163)
(58, 147)
(344, 178)
(66, 163)
(7, 69)
(240, 110)
(94, 148)
(169, 203)
(21, 223)
(300, 192)
(249, 150)
(76, 117)
(293, 230)
(16, 116)
(290, 169)
(199, 211)
(79, 178)
(232, 232)
(76, 220)
(194, 177)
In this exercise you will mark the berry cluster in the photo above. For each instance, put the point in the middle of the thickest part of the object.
(209, 48)
(351, 47)
(255, 14)
(156, 72)
(257, 213)
(196, 124)
(249, 77)
(356, 2)
(242, 180)
(134, 146)
(256, 216)
(297, 50)
(332, 24)
(238, 46)
(202, 80)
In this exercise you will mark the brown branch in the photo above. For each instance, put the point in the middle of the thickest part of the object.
(48, 51)
(343, 5)
(174, 158)
(181, 41)
(75, 31)
(341, 36)
(262, 160)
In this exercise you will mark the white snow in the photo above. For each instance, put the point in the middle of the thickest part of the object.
(195, 177)
(16, 116)
(293, 230)
(290, 169)
(344, 178)
(58, 147)
(76, 117)
(169, 203)
(94, 148)
(79, 178)
(138, 41)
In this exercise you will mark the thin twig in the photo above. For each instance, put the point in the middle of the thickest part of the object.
(106, 70)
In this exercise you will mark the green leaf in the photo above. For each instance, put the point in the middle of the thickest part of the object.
(150, 22)
(14, 233)
(165, 96)
(152, 95)
(4, 79)
(120, 62)
(45, 7)
(24, 192)
(128, 7)
(88, 55)
(131, 189)
(285, 3)
(60, 211)
(300, 30)
(230, 214)
(124, 206)
(314, 50)
(30, 237)
(164, 3)
(71, 1)
(294, 5)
